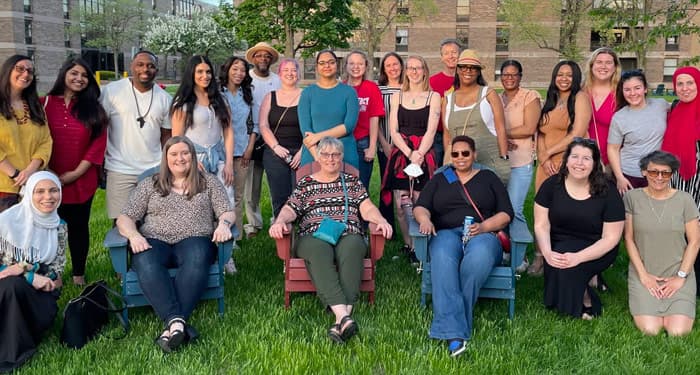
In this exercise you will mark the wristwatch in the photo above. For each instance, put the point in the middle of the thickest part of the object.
(682, 274)
(14, 175)
(505, 157)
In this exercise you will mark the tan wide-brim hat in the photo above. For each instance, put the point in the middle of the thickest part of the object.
(262, 46)
(470, 57)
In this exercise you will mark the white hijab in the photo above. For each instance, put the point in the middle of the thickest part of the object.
(25, 232)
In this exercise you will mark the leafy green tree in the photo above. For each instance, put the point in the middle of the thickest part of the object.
(114, 25)
(637, 25)
(377, 16)
(525, 20)
(292, 26)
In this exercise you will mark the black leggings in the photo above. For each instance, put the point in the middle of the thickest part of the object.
(77, 216)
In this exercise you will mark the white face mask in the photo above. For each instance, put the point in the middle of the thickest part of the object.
(413, 170)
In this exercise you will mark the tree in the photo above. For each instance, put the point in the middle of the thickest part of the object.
(112, 25)
(637, 25)
(200, 35)
(524, 18)
(376, 16)
(292, 26)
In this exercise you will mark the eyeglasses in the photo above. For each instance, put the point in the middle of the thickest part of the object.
(465, 153)
(414, 68)
(326, 63)
(469, 68)
(21, 69)
(654, 174)
(262, 56)
(510, 76)
(330, 155)
(585, 141)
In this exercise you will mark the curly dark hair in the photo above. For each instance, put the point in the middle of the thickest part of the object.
(597, 180)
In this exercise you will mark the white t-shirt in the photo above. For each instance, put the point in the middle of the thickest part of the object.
(261, 87)
(130, 148)
(484, 108)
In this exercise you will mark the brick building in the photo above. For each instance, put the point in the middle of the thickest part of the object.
(42, 30)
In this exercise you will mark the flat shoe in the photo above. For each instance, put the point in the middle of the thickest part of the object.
(177, 337)
(351, 329)
(164, 343)
(334, 334)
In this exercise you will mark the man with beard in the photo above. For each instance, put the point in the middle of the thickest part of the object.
(441, 82)
(262, 56)
(139, 125)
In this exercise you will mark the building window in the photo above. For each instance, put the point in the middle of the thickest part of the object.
(66, 35)
(401, 40)
(670, 66)
(497, 67)
(27, 31)
(310, 68)
(153, 4)
(92, 6)
(30, 54)
(66, 9)
(462, 10)
(27, 6)
(184, 8)
(501, 39)
(402, 7)
(672, 43)
(463, 36)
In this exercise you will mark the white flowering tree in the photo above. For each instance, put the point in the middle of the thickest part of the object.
(200, 35)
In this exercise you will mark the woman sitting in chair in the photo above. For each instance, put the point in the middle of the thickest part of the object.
(32, 256)
(461, 259)
(330, 194)
(176, 207)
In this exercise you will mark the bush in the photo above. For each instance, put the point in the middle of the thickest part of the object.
(107, 75)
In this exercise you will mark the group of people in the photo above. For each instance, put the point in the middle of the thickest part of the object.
(179, 171)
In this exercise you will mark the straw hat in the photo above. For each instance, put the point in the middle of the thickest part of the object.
(470, 57)
(262, 46)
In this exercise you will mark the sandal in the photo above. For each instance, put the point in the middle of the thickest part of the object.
(177, 336)
(351, 329)
(598, 283)
(163, 341)
(335, 335)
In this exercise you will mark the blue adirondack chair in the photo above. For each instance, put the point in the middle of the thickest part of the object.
(131, 290)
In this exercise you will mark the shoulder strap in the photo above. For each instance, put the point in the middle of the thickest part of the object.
(469, 198)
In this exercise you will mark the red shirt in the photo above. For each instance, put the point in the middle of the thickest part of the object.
(371, 105)
(71, 145)
(441, 83)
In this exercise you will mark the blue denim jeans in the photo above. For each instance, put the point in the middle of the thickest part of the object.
(457, 276)
(438, 148)
(364, 167)
(281, 179)
(177, 297)
(518, 186)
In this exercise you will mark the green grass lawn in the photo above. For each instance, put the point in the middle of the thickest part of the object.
(258, 336)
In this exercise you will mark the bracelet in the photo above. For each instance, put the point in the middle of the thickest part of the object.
(29, 276)
(228, 223)
(14, 175)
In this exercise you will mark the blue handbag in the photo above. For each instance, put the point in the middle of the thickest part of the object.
(330, 230)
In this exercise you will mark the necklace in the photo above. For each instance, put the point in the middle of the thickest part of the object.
(25, 114)
(141, 119)
(653, 210)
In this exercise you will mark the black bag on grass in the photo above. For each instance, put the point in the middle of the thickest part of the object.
(85, 315)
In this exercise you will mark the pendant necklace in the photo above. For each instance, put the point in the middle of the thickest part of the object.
(653, 210)
(141, 119)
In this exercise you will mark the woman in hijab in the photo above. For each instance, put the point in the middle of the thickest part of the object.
(32, 256)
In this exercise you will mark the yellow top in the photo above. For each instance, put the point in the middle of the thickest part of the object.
(19, 144)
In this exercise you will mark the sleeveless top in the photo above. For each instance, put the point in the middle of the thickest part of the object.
(413, 121)
(488, 153)
(287, 133)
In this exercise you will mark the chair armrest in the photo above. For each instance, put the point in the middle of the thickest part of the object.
(376, 242)
(420, 240)
(284, 245)
(116, 243)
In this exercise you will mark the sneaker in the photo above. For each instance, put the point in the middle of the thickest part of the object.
(230, 267)
(250, 231)
(457, 347)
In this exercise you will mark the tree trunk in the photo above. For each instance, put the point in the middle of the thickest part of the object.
(115, 53)
(289, 41)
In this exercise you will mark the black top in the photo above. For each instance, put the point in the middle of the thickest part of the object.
(413, 121)
(577, 224)
(288, 133)
(448, 204)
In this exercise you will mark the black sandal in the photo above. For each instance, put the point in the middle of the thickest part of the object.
(163, 342)
(335, 335)
(350, 330)
(177, 337)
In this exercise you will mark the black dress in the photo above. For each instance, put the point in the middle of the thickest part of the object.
(25, 314)
(575, 225)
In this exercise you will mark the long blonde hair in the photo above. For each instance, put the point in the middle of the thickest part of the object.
(588, 82)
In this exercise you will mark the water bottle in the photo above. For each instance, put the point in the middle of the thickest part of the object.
(468, 221)
(407, 206)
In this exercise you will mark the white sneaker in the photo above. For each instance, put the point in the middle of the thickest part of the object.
(230, 267)
(522, 267)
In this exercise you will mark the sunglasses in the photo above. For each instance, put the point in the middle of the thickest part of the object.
(654, 174)
(585, 141)
(469, 68)
(465, 153)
